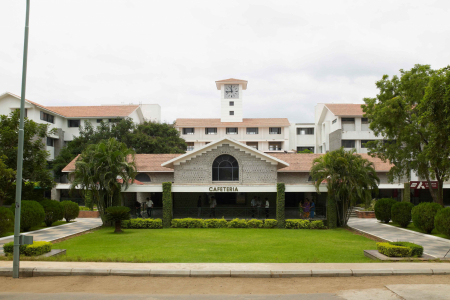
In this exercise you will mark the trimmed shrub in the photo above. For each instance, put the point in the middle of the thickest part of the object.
(423, 215)
(416, 250)
(383, 209)
(270, 223)
(167, 204)
(253, 223)
(280, 205)
(401, 213)
(117, 214)
(53, 211)
(298, 224)
(393, 250)
(442, 221)
(70, 210)
(6, 220)
(142, 223)
(317, 225)
(31, 214)
(215, 223)
(237, 223)
(187, 223)
(37, 248)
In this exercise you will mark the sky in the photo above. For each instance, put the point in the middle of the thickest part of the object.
(294, 54)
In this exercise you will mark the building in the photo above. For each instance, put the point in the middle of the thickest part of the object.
(68, 119)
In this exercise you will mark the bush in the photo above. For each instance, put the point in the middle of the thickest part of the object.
(53, 211)
(215, 223)
(70, 210)
(237, 223)
(187, 223)
(423, 215)
(117, 214)
(442, 221)
(383, 209)
(37, 248)
(416, 250)
(393, 250)
(317, 225)
(270, 223)
(142, 223)
(6, 220)
(401, 213)
(32, 214)
(298, 224)
(280, 205)
(167, 204)
(253, 223)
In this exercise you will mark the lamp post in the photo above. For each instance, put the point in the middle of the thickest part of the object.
(17, 237)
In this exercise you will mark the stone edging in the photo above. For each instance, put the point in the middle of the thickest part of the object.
(38, 272)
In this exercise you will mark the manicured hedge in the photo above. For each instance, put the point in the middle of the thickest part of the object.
(280, 205)
(304, 224)
(31, 214)
(237, 223)
(222, 223)
(187, 223)
(142, 223)
(393, 250)
(270, 223)
(416, 250)
(401, 213)
(37, 248)
(383, 209)
(6, 220)
(423, 215)
(167, 204)
(442, 221)
(253, 223)
(215, 223)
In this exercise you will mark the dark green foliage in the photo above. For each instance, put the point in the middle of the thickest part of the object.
(31, 214)
(142, 223)
(280, 204)
(88, 201)
(383, 209)
(331, 211)
(215, 223)
(117, 214)
(305, 151)
(442, 221)
(318, 224)
(237, 223)
(6, 220)
(401, 213)
(37, 248)
(406, 192)
(53, 211)
(416, 250)
(70, 210)
(304, 224)
(7, 181)
(253, 223)
(187, 223)
(423, 216)
(270, 223)
(167, 204)
(393, 251)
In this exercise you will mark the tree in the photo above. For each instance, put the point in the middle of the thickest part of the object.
(117, 214)
(35, 155)
(104, 170)
(7, 180)
(147, 138)
(348, 177)
(412, 113)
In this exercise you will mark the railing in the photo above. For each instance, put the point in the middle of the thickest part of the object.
(294, 213)
(225, 212)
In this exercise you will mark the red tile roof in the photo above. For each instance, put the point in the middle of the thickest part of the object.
(93, 111)
(345, 109)
(260, 122)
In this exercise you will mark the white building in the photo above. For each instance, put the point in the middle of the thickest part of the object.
(68, 119)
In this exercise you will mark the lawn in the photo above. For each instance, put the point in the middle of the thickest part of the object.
(42, 226)
(218, 245)
(413, 228)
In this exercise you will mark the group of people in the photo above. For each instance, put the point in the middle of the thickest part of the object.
(148, 203)
(308, 209)
(256, 204)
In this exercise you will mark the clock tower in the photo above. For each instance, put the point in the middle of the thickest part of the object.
(231, 99)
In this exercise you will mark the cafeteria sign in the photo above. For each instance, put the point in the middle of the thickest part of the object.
(422, 185)
(223, 189)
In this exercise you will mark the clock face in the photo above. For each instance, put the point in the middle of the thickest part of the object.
(231, 90)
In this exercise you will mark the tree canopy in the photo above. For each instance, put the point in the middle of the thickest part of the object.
(148, 137)
(412, 113)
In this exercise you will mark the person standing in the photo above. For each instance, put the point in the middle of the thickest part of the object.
(258, 207)
(312, 209)
(199, 206)
(149, 207)
(137, 206)
(300, 209)
(253, 205)
(212, 207)
(306, 208)
(267, 208)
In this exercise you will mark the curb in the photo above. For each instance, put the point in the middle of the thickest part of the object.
(40, 272)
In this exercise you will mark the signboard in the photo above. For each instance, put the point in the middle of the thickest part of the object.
(422, 185)
(223, 189)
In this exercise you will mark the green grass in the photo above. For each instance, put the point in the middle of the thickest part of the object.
(42, 226)
(218, 245)
(413, 228)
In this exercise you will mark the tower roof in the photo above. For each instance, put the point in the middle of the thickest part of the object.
(232, 81)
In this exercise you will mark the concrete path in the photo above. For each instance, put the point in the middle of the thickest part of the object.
(432, 245)
(54, 233)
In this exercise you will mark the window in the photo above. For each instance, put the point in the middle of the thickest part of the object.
(363, 143)
(190, 146)
(348, 143)
(252, 130)
(231, 113)
(274, 146)
(25, 112)
(225, 168)
(99, 120)
(253, 145)
(304, 131)
(188, 131)
(50, 142)
(143, 177)
(231, 103)
(364, 124)
(334, 121)
(348, 124)
(74, 123)
(210, 130)
(301, 149)
(275, 130)
(232, 130)
(47, 117)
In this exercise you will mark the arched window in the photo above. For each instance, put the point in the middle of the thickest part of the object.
(225, 168)
(143, 177)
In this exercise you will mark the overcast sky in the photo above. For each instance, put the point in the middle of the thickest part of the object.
(294, 54)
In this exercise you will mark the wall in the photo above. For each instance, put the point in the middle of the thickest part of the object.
(251, 168)
(335, 140)
(293, 177)
(151, 112)
(160, 177)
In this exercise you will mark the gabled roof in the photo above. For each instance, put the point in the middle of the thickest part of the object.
(345, 109)
(231, 81)
(211, 146)
(258, 122)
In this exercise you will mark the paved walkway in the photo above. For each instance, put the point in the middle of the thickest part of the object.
(432, 245)
(54, 233)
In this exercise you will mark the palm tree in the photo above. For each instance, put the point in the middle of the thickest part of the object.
(348, 177)
(104, 170)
